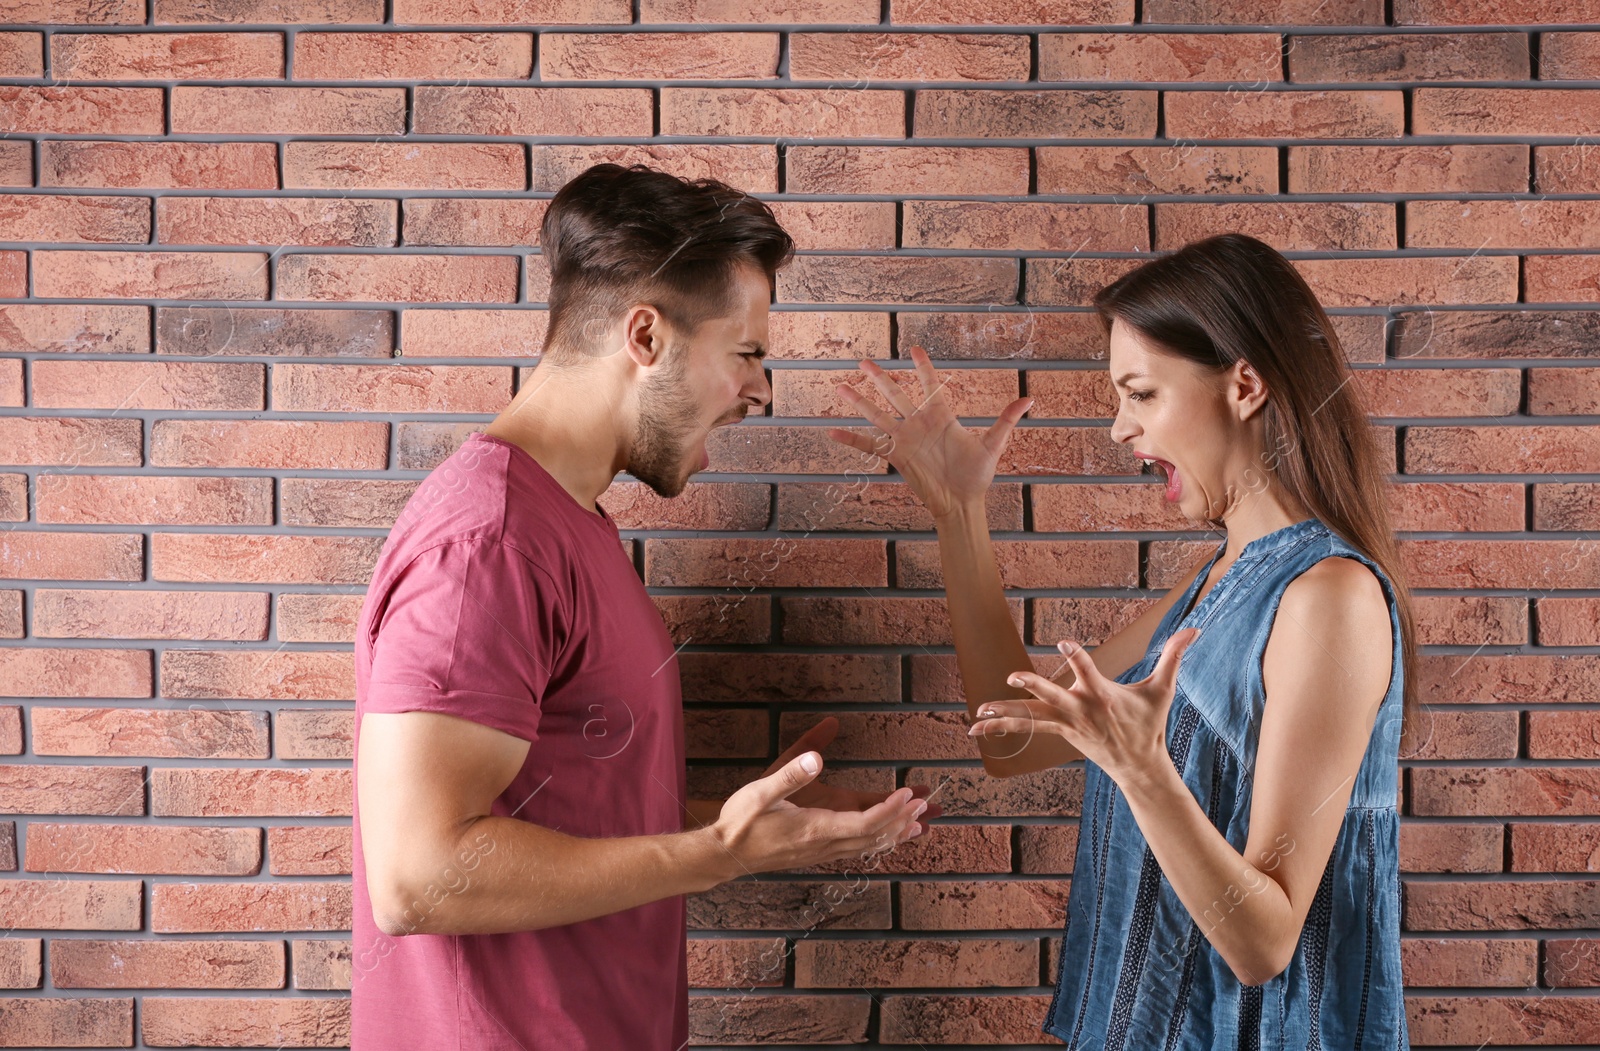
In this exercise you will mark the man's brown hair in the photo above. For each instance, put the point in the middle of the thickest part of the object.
(614, 236)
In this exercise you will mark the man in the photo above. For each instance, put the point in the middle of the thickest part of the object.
(523, 840)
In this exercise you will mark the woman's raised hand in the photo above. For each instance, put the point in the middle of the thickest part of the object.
(945, 464)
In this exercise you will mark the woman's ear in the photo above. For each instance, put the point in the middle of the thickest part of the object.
(1246, 390)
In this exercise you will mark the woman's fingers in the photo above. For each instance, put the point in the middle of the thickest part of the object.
(889, 389)
(925, 372)
(999, 432)
(1003, 727)
(874, 415)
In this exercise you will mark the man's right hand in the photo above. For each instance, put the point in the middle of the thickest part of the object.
(762, 831)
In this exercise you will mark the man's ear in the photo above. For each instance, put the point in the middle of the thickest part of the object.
(1247, 389)
(644, 335)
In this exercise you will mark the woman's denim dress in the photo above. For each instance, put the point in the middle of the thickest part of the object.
(1136, 971)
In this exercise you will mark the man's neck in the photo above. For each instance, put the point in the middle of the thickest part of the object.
(570, 428)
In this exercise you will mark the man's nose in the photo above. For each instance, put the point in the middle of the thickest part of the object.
(759, 393)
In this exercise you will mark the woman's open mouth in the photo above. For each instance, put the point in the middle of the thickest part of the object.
(1174, 489)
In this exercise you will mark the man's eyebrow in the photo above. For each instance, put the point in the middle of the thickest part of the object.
(755, 345)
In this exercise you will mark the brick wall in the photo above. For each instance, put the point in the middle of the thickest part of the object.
(257, 278)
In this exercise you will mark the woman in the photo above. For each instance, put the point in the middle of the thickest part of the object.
(1237, 876)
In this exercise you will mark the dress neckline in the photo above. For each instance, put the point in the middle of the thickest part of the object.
(1260, 545)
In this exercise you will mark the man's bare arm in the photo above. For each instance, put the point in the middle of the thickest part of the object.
(437, 862)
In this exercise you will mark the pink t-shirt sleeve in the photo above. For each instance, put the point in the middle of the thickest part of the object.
(468, 628)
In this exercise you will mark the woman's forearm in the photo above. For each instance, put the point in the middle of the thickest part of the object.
(1244, 913)
(988, 645)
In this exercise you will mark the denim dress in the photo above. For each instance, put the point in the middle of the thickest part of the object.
(1136, 971)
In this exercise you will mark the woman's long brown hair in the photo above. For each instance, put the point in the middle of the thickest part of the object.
(1231, 297)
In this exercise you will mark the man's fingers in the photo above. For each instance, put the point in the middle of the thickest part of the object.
(888, 388)
(788, 779)
(859, 442)
(816, 739)
(874, 415)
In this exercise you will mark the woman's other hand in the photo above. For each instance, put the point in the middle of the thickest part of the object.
(945, 464)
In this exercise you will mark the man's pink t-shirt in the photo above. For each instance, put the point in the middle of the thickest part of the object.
(499, 598)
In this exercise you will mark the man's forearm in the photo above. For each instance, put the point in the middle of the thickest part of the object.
(505, 874)
(988, 645)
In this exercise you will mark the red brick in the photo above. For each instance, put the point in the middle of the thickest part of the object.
(1038, 226)
(59, 789)
(1566, 621)
(929, 1019)
(490, 333)
(1470, 961)
(1014, 12)
(708, 619)
(566, 111)
(1465, 735)
(315, 733)
(766, 562)
(1502, 224)
(309, 850)
(1253, 57)
(1284, 114)
(718, 734)
(788, 905)
(71, 904)
(263, 558)
(1448, 168)
(139, 275)
(478, 221)
(1468, 620)
(94, 963)
(1564, 735)
(1048, 849)
(1504, 906)
(1013, 114)
(174, 1021)
(1552, 791)
(811, 334)
(66, 328)
(1564, 392)
(160, 849)
(321, 963)
(783, 450)
(166, 56)
(274, 331)
(786, 112)
(1571, 962)
(658, 56)
(810, 392)
(1554, 847)
(276, 221)
(1018, 904)
(318, 618)
(750, 167)
(413, 56)
(399, 278)
(1409, 56)
(1179, 169)
(1267, 12)
(174, 385)
(1566, 169)
(175, 165)
(1440, 392)
(1461, 12)
(1031, 564)
(1287, 226)
(753, 1019)
(890, 279)
(391, 388)
(850, 620)
(908, 56)
(1508, 678)
(54, 110)
(1436, 279)
(406, 166)
(281, 444)
(1452, 847)
(244, 792)
(191, 733)
(864, 678)
(276, 674)
(53, 217)
(1481, 1020)
(907, 169)
(1489, 111)
(20, 963)
(728, 963)
(289, 111)
(16, 163)
(1558, 506)
(89, 1022)
(1457, 506)
(1491, 449)
(507, 12)
(1071, 281)
(42, 671)
(1087, 621)
(838, 224)
(999, 335)
(826, 963)
(861, 505)
(22, 54)
(153, 500)
(1560, 279)
(257, 11)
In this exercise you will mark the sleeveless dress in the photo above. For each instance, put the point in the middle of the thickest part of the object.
(1136, 972)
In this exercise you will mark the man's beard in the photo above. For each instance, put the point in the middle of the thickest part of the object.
(667, 424)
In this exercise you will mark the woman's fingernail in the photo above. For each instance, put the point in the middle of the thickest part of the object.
(975, 731)
(1013, 681)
